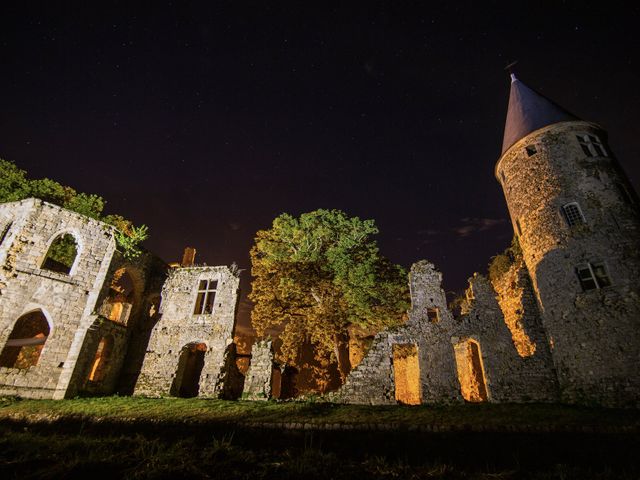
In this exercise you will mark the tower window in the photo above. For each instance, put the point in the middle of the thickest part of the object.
(592, 146)
(531, 150)
(433, 314)
(592, 276)
(518, 227)
(573, 214)
(206, 297)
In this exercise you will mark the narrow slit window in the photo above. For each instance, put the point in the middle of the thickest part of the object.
(592, 146)
(5, 231)
(206, 297)
(518, 227)
(573, 214)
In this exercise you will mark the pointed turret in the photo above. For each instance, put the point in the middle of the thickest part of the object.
(528, 111)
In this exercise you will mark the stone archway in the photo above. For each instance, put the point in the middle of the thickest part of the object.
(26, 341)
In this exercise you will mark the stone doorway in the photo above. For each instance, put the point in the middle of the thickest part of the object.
(406, 370)
(187, 380)
(473, 385)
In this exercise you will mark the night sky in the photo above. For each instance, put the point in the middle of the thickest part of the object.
(206, 122)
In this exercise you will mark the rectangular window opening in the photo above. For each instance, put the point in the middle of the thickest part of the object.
(531, 150)
(206, 297)
(433, 314)
(593, 276)
(592, 146)
(573, 214)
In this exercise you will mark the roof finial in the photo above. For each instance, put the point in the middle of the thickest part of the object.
(509, 68)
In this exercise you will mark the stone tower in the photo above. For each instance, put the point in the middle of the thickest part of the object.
(577, 219)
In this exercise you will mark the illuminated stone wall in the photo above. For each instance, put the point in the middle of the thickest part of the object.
(70, 302)
(373, 380)
(593, 335)
(179, 327)
(257, 382)
(509, 377)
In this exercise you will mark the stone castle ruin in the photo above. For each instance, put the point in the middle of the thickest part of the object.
(558, 322)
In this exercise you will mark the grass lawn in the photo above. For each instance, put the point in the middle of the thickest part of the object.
(212, 411)
(120, 437)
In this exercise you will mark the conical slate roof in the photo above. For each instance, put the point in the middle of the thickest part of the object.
(529, 111)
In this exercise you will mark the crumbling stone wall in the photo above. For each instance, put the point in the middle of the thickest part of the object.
(66, 300)
(372, 381)
(178, 327)
(257, 383)
(509, 376)
(593, 335)
(70, 302)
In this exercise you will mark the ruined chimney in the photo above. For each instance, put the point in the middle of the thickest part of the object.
(188, 257)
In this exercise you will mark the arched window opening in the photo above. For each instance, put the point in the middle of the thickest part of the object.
(101, 360)
(473, 385)
(187, 380)
(406, 370)
(61, 254)
(120, 300)
(26, 341)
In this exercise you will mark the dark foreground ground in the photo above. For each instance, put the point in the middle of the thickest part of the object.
(141, 438)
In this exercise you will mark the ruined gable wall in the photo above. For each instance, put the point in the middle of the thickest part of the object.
(178, 327)
(67, 300)
(593, 334)
(372, 381)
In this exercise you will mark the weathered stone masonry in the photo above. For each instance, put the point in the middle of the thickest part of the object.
(70, 302)
(186, 353)
(441, 339)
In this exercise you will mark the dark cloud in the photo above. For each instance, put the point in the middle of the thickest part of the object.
(473, 225)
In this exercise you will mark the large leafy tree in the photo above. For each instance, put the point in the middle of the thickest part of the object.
(15, 185)
(319, 274)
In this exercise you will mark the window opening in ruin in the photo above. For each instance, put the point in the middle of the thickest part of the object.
(5, 231)
(433, 314)
(593, 276)
(504, 179)
(592, 146)
(186, 383)
(101, 359)
(206, 297)
(531, 150)
(26, 341)
(518, 226)
(473, 385)
(573, 214)
(406, 370)
(119, 302)
(61, 254)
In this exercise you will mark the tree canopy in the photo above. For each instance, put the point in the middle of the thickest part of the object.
(15, 185)
(316, 275)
